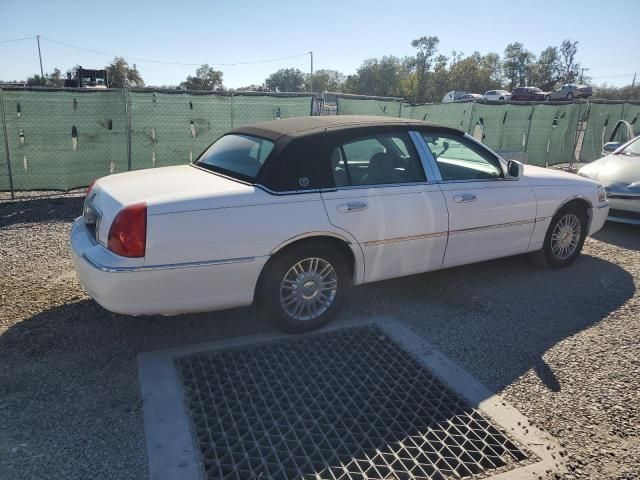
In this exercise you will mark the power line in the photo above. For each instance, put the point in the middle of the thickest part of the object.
(614, 76)
(139, 59)
(17, 39)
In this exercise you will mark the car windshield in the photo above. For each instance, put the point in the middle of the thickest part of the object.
(240, 156)
(633, 149)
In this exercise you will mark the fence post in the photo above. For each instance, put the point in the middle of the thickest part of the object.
(526, 140)
(473, 110)
(231, 110)
(127, 109)
(400, 110)
(6, 143)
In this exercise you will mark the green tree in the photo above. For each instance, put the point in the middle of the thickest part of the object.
(517, 64)
(421, 64)
(286, 80)
(37, 81)
(325, 81)
(122, 75)
(569, 67)
(382, 77)
(55, 79)
(546, 71)
(206, 78)
(438, 80)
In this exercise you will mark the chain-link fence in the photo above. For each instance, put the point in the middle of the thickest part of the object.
(537, 133)
(55, 139)
(366, 105)
(59, 139)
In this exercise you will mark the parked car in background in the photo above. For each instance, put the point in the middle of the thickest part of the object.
(471, 96)
(497, 95)
(292, 213)
(619, 172)
(569, 92)
(453, 95)
(527, 94)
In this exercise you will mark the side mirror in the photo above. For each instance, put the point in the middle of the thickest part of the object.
(610, 147)
(514, 169)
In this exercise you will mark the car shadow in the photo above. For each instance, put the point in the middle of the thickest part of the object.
(497, 319)
(35, 210)
(620, 234)
(74, 365)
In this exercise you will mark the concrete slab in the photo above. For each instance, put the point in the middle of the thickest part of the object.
(173, 454)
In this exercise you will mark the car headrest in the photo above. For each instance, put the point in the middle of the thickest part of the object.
(381, 168)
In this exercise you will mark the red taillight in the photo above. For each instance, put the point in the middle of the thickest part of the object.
(128, 232)
(93, 182)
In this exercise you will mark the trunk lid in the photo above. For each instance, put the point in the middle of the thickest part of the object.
(164, 190)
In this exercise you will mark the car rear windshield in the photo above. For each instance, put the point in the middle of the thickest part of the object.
(240, 156)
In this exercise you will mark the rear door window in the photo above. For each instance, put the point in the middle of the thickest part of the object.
(376, 160)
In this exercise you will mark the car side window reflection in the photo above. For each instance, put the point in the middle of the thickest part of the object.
(376, 160)
(457, 159)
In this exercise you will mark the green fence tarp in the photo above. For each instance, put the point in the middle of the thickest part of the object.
(173, 129)
(602, 121)
(248, 109)
(552, 134)
(5, 184)
(64, 139)
(367, 106)
(501, 127)
(632, 115)
(456, 115)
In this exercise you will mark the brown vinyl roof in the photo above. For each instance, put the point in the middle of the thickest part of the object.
(300, 126)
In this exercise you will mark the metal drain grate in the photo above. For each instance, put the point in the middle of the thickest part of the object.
(349, 404)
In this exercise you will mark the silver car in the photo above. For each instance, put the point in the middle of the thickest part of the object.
(569, 92)
(619, 172)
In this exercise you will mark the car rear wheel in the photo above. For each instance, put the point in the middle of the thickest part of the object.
(501, 99)
(303, 287)
(547, 98)
(569, 96)
(565, 236)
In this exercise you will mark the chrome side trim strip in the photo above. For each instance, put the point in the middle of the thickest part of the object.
(170, 266)
(492, 227)
(372, 243)
(452, 232)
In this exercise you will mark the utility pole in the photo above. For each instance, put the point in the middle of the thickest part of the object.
(633, 82)
(311, 82)
(582, 73)
(40, 57)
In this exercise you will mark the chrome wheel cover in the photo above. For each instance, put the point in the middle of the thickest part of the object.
(566, 236)
(308, 289)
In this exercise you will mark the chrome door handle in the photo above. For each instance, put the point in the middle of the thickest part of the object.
(464, 198)
(352, 207)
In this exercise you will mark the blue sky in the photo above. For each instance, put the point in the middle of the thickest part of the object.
(341, 34)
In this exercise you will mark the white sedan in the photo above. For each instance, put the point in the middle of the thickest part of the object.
(497, 95)
(291, 213)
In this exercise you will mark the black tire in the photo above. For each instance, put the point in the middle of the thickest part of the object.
(547, 255)
(501, 99)
(271, 285)
(547, 98)
(569, 96)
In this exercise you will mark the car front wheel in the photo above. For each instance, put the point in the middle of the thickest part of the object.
(565, 236)
(569, 96)
(304, 286)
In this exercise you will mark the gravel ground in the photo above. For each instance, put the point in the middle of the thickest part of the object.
(562, 346)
